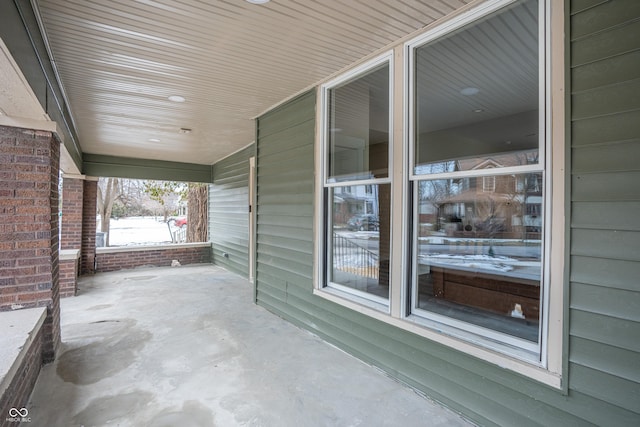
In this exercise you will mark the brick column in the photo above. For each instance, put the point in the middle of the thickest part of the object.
(29, 167)
(70, 234)
(72, 204)
(89, 208)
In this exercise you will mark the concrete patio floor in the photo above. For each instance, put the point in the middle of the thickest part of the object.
(186, 346)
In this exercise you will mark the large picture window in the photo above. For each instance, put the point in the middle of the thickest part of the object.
(478, 176)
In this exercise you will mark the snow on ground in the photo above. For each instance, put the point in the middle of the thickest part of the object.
(138, 231)
(485, 262)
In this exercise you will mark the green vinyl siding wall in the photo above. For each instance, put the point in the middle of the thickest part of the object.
(229, 212)
(603, 309)
(604, 345)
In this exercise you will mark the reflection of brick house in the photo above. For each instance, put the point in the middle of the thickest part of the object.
(505, 206)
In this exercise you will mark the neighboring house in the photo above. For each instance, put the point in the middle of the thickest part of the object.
(501, 148)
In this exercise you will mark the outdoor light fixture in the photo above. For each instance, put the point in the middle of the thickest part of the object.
(153, 140)
(258, 1)
(470, 91)
(176, 98)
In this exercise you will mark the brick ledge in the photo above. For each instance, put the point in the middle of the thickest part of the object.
(14, 345)
(118, 249)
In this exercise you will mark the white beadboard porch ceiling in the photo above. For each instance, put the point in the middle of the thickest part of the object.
(120, 60)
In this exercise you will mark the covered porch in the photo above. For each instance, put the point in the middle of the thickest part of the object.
(186, 346)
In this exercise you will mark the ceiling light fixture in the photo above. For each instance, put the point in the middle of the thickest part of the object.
(185, 130)
(478, 110)
(176, 98)
(258, 1)
(153, 140)
(470, 91)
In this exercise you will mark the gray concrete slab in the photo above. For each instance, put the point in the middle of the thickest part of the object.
(186, 346)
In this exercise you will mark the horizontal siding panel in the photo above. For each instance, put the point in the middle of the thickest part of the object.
(600, 385)
(609, 302)
(299, 115)
(236, 245)
(285, 241)
(289, 139)
(582, 5)
(609, 71)
(605, 187)
(603, 17)
(618, 127)
(601, 413)
(606, 100)
(618, 274)
(606, 330)
(618, 215)
(301, 180)
(620, 40)
(229, 213)
(284, 267)
(296, 222)
(611, 360)
(617, 157)
(613, 244)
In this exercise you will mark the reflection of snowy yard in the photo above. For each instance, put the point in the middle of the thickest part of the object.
(484, 262)
(501, 264)
(138, 231)
(357, 264)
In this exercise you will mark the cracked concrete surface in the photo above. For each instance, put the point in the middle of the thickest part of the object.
(187, 347)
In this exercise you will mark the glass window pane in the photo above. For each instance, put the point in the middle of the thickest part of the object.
(358, 128)
(480, 106)
(479, 251)
(359, 238)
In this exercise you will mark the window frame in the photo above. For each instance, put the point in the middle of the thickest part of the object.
(553, 364)
(499, 341)
(327, 186)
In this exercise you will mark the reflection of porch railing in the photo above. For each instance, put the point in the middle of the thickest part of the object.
(354, 259)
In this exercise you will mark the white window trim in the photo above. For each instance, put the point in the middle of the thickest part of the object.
(320, 272)
(550, 370)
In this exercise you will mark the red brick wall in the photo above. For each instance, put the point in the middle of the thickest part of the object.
(109, 260)
(19, 390)
(71, 231)
(29, 166)
(68, 278)
(89, 209)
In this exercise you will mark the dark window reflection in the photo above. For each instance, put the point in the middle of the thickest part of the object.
(358, 133)
(481, 103)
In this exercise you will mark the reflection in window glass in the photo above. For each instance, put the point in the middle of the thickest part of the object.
(358, 128)
(483, 105)
(359, 238)
(479, 253)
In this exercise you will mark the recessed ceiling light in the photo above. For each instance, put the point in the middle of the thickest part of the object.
(185, 130)
(478, 110)
(176, 98)
(153, 140)
(470, 91)
(258, 1)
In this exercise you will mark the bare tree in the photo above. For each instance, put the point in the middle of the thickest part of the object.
(108, 192)
(197, 208)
